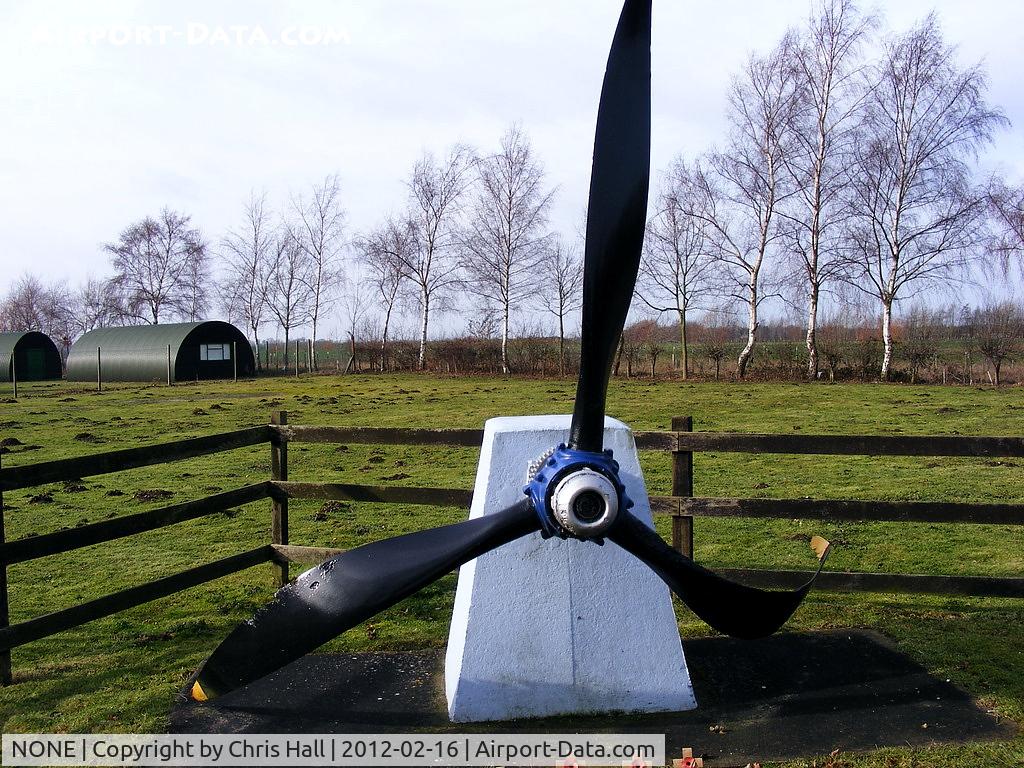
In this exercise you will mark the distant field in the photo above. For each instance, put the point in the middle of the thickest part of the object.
(120, 673)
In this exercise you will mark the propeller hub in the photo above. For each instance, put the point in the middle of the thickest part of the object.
(576, 493)
(585, 503)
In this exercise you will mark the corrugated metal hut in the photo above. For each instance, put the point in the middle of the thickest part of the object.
(140, 353)
(31, 354)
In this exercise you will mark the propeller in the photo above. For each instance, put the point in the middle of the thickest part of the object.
(575, 490)
(348, 589)
(616, 216)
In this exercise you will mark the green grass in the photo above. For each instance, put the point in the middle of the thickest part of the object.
(121, 673)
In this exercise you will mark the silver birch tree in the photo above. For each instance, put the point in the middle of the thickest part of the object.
(437, 191)
(319, 228)
(506, 235)
(828, 64)
(248, 257)
(915, 213)
(676, 266)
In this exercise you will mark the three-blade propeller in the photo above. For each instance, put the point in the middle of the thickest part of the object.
(350, 588)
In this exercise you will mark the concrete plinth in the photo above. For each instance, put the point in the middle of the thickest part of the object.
(549, 627)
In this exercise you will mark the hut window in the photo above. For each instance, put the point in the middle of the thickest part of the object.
(214, 351)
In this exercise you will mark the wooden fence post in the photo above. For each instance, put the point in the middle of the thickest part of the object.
(682, 485)
(5, 615)
(296, 358)
(279, 503)
(168, 365)
(99, 371)
(234, 357)
(14, 375)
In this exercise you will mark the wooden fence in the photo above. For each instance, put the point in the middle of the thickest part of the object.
(681, 505)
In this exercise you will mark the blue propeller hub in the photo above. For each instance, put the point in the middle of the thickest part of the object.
(577, 494)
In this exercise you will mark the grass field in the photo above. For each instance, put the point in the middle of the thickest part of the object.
(121, 673)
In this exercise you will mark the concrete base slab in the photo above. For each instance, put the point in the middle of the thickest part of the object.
(552, 627)
(787, 697)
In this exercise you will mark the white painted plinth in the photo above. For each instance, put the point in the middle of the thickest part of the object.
(547, 627)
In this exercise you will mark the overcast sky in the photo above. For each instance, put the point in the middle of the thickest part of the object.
(111, 110)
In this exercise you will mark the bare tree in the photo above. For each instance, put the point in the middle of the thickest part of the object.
(386, 252)
(737, 194)
(915, 215)
(833, 342)
(715, 329)
(999, 327)
(922, 332)
(96, 305)
(23, 308)
(507, 235)
(1006, 213)
(32, 305)
(560, 289)
(356, 302)
(288, 295)
(153, 261)
(828, 67)
(58, 315)
(646, 336)
(249, 252)
(195, 293)
(676, 266)
(319, 229)
(436, 191)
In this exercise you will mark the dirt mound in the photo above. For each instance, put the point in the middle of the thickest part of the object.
(153, 494)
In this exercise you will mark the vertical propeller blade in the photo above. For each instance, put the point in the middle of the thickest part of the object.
(731, 608)
(348, 589)
(616, 215)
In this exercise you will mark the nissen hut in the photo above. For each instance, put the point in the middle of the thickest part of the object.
(31, 355)
(189, 351)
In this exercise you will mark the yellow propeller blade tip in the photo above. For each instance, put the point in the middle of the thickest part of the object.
(198, 693)
(820, 546)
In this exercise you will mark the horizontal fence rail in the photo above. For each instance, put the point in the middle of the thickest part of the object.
(456, 438)
(12, 478)
(721, 442)
(680, 505)
(20, 550)
(851, 445)
(51, 623)
(386, 494)
(794, 509)
(839, 581)
(289, 553)
(296, 433)
(853, 510)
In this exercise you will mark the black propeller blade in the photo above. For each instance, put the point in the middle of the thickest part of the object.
(731, 608)
(348, 589)
(616, 216)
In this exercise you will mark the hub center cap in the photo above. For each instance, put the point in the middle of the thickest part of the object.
(585, 503)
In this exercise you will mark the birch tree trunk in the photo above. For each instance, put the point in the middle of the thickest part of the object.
(312, 347)
(384, 341)
(504, 340)
(424, 317)
(256, 338)
(886, 338)
(561, 345)
(748, 349)
(812, 332)
(684, 355)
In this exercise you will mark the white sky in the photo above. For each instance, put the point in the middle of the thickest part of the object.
(97, 133)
